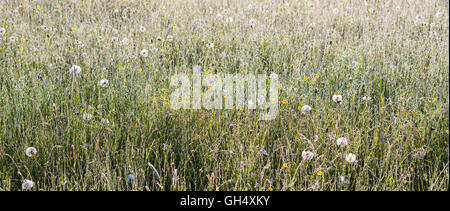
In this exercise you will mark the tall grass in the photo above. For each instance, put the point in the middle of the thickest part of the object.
(395, 52)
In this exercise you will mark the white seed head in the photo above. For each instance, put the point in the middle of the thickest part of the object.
(307, 155)
(144, 53)
(30, 151)
(306, 109)
(27, 184)
(342, 142)
(351, 158)
(104, 82)
(75, 69)
(337, 98)
(169, 38)
(2, 31)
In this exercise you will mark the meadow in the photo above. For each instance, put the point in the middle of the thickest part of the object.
(85, 91)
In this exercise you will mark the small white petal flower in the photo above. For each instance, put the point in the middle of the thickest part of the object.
(104, 82)
(351, 158)
(142, 29)
(307, 155)
(30, 151)
(27, 184)
(169, 38)
(75, 69)
(210, 45)
(342, 142)
(306, 109)
(337, 98)
(144, 53)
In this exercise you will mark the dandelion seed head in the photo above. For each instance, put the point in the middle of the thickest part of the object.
(130, 178)
(306, 109)
(75, 69)
(342, 142)
(87, 116)
(307, 155)
(144, 53)
(30, 151)
(337, 98)
(351, 158)
(104, 82)
(169, 38)
(27, 184)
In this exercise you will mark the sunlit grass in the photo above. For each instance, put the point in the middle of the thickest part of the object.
(109, 126)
